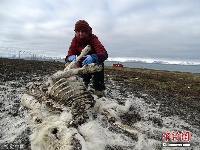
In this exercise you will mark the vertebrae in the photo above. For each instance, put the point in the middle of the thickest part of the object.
(58, 105)
(64, 90)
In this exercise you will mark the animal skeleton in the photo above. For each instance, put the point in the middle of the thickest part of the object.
(64, 90)
(58, 105)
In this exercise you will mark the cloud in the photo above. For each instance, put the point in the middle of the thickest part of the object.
(138, 28)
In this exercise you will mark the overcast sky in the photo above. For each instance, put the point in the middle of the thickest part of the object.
(127, 28)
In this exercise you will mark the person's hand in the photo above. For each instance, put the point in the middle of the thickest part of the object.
(90, 59)
(71, 58)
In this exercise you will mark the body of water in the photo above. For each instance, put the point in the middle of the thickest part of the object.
(168, 67)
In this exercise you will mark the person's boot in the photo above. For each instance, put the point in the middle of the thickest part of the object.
(99, 93)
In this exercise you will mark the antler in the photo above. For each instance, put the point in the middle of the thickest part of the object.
(74, 63)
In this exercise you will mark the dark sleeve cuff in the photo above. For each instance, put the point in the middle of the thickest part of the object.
(95, 56)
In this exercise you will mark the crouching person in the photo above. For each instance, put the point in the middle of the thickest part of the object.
(97, 54)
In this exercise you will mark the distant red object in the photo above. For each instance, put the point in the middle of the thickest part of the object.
(117, 65)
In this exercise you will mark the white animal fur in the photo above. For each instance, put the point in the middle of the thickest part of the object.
(52, 133)
(50, 128)
(111, 108)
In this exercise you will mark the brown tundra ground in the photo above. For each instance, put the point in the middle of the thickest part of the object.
(174, 93)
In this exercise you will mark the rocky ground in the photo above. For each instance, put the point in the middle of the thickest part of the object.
(173, 93)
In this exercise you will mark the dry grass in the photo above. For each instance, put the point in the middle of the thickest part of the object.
(177, 92)
(173, 84)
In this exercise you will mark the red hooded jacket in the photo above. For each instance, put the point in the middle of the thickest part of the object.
(96, 47)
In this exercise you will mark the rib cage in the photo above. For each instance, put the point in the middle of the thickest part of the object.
(63, 93)
(64, 90)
